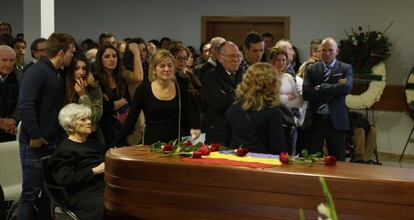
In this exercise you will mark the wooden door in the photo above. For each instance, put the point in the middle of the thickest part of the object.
(236, 28)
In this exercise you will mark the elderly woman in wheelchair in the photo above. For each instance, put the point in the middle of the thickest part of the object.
(78, 163)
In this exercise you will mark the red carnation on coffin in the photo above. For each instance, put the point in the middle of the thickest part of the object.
(197, 154)
(215, 147)
(241, 151)
(188, 143)
(167, 147)
(330, 160)
(284, 158)
(204, 150)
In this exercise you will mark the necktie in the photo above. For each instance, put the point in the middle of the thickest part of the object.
(326, 72)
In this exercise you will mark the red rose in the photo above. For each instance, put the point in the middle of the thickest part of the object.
(197, 154)
(167, 147)
(204, 150)
(284, 158)
(188, 143)
(215, 147)
(330, 160)
(241, 151)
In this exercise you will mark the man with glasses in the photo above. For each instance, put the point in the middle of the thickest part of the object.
(218, 89)
(37, 49)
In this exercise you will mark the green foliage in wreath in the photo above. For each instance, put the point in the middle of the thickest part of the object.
(363, 50)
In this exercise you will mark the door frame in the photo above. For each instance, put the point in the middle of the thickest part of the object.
(285, 20)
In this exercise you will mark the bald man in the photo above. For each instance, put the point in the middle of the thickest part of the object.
(325, 86)
(9, 94)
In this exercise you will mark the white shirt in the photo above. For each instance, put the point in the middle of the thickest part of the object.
(288, 86)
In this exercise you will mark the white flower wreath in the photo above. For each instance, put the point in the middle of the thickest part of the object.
(372, 94)
(409, 93)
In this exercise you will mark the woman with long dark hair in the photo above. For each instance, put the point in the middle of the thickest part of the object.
(82, 88)
(114, 89)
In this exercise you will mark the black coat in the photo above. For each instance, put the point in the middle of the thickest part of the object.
(259, 131)
(219, 92)
(71, 166)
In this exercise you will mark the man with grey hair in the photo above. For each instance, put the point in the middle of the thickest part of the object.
(211, 62)
(219, 86)
(9, 94)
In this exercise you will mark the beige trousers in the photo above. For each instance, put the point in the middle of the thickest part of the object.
(364, 145)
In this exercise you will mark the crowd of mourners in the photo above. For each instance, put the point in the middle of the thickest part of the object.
(75, 101)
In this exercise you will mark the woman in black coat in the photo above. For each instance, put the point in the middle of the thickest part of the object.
(254, 120)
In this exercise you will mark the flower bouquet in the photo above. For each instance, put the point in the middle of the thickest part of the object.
(364, 49)
(185, 148)
(307, 158)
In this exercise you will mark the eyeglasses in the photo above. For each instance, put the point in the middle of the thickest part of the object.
(182, 58)
(232, 56)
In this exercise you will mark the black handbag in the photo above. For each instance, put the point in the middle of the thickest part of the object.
(288, 119)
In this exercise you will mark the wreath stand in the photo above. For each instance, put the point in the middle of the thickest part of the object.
(409, 93)
(373, 94)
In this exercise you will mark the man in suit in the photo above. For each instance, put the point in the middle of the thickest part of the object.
(325, 86)
(211, 63)
(9, 94)
(218, 89)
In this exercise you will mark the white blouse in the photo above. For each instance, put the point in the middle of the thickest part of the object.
(288, 86)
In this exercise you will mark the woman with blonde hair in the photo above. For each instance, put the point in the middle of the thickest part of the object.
(163, 102)
(254, 120)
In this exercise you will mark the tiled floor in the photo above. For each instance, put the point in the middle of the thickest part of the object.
(393, 160)
(393, 131)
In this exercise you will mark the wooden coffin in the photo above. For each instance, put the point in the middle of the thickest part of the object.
(149, 185)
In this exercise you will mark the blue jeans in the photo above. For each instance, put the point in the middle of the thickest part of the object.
(33, 182)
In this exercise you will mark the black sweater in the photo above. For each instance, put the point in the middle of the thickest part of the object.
(161, 117)
(72, 164)
(40, 100)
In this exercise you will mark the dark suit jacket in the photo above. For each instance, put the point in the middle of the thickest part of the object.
(330, 92)
(202, 69)
(218, 91)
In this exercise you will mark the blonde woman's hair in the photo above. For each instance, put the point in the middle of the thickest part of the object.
(259, 87)
(158, 57)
